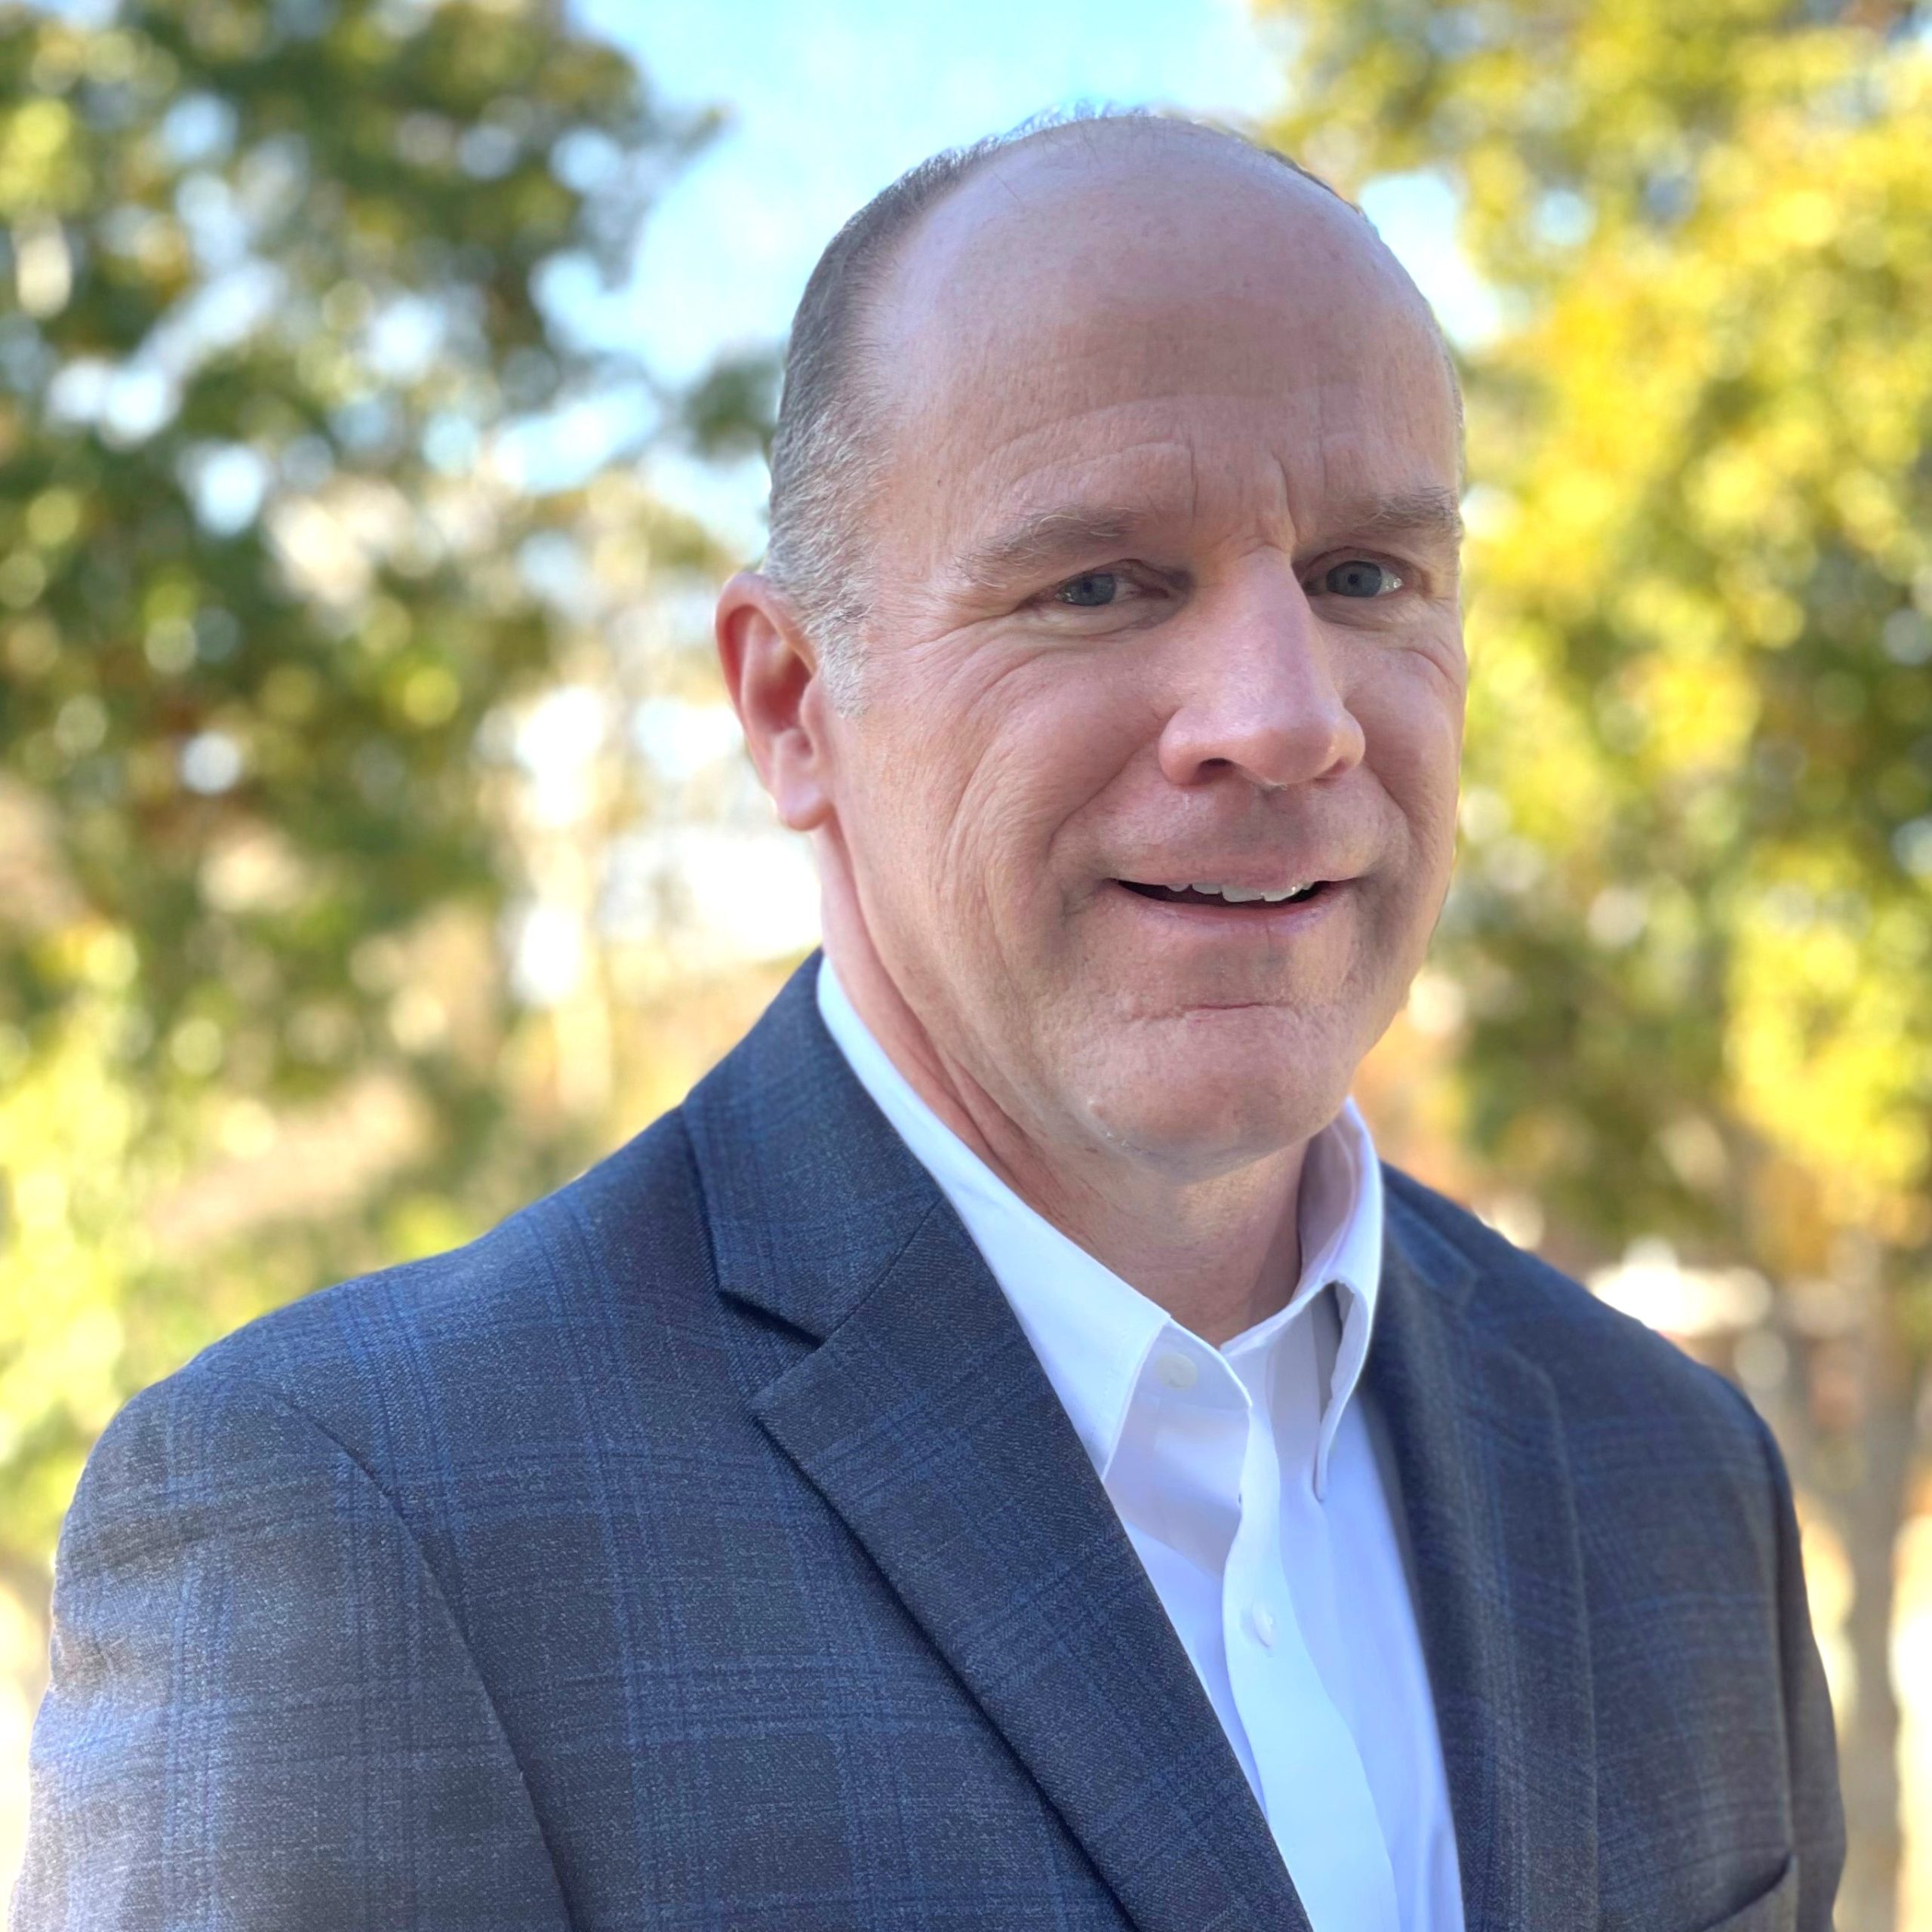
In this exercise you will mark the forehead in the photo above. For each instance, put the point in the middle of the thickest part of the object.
(1175, 316)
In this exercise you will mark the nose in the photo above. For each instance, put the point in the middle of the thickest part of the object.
(1257, 691)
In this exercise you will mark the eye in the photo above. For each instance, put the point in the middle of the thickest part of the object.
(1359, 576)
(1127, 592)
(1092, 590)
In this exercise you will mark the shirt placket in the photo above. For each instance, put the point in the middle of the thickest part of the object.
(1314, 1788)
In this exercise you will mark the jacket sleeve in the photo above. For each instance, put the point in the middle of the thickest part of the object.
(262, 1714)
(1810, 1740)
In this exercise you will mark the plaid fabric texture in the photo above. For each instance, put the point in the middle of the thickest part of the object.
(706, 1548)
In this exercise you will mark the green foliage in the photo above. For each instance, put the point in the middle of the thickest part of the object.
(1696, 913)
(734, 410)
(265, 576)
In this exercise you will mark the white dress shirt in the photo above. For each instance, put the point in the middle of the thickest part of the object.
(1257, 1504)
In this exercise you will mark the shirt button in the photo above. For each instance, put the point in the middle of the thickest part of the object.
(1262, 1618)
(1177, 1371)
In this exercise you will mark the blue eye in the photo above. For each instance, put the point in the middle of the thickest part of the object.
(1092, 590)
(1358, 577)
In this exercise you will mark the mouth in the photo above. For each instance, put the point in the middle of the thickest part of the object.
(1242, 898)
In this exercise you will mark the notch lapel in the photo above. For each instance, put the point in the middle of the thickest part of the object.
(1486, 1492)
(928, 1425)
(926, 1422)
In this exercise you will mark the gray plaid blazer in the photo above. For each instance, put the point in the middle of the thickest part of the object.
(706, 1548)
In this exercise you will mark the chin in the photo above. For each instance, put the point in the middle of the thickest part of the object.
(1220, 1107)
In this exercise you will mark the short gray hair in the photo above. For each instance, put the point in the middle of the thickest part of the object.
(826, 458)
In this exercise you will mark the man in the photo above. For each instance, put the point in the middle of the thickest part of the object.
(1002, 1453)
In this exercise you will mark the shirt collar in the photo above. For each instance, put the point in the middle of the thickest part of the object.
(1092, 1331)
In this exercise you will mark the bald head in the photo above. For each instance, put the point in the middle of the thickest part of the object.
(905, 296)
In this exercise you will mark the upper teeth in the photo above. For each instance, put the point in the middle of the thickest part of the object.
(1241, 895)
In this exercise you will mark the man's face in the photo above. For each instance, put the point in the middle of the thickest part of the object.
(1163, 572)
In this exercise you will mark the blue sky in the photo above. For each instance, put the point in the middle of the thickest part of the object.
(830, 100)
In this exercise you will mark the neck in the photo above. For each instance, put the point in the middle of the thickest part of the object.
(1219, 1254)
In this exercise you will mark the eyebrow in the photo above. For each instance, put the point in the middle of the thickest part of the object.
(1036, 544)
(1432, 513)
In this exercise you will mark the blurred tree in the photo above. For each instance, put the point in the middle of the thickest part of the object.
(284, 349)
(1694, 922)
(733, 410)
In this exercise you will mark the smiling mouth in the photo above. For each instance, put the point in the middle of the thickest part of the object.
(1211, 894)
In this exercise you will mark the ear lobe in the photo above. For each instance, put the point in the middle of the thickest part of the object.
(771, 673)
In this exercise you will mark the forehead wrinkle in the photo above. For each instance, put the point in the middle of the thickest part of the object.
(1081, 436)
(1075, 443)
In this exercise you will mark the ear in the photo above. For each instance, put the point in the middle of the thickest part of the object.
(772, 674)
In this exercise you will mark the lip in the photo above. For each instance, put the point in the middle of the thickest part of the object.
(1224, 921)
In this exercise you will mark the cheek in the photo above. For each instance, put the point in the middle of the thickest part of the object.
(978, 771)
(1412, 723)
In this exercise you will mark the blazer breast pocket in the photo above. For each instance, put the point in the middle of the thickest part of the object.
(1774, 1911)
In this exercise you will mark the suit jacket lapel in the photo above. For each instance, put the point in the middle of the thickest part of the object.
(926, 1422)
(1485, 1491)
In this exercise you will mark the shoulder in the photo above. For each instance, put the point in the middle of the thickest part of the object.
(1674, 1478)
(398, 1366)
(1606, 1370)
